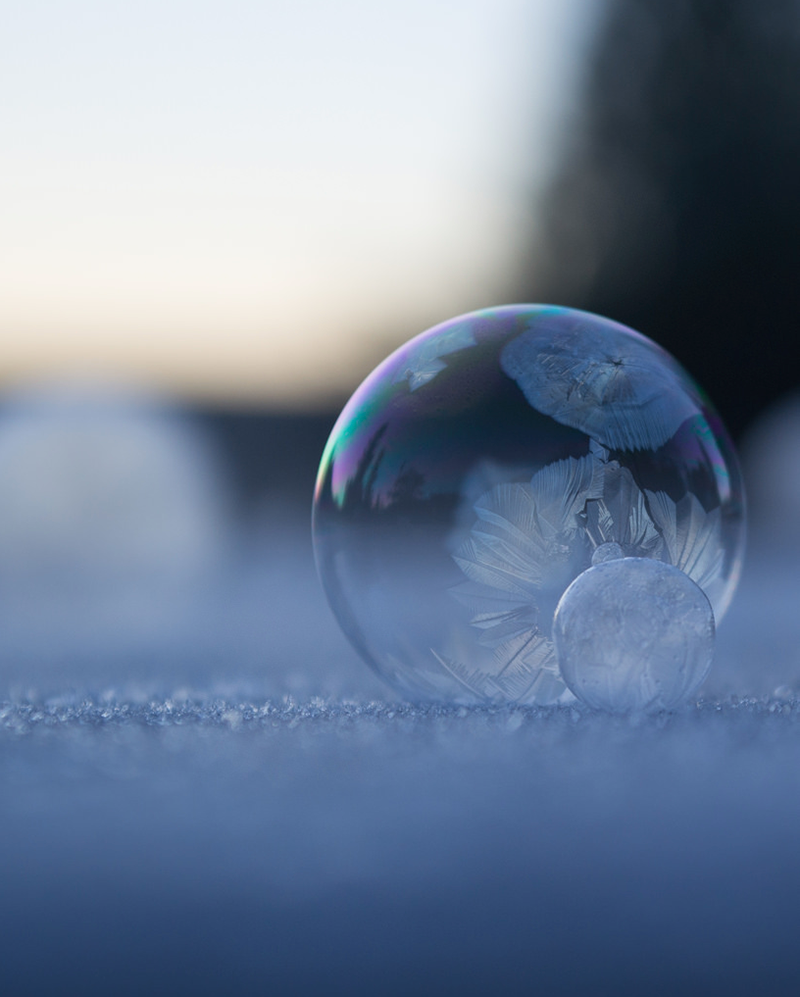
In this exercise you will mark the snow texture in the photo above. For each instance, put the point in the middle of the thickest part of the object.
(255, 813)
(233, 804)
(210, 845)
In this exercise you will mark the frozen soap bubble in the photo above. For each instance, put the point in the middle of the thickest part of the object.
(633, 635)
(485, 465)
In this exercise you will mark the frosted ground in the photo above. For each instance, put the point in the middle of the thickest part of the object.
(222, 799)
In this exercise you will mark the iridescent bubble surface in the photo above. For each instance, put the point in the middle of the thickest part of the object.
(488, 463)
(633, 635)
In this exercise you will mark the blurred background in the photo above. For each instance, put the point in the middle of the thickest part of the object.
(243, 207)
(248, 204)
(216, 219)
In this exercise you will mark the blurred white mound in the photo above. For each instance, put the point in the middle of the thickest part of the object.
(771, 465)
(113, 511)
(757, 646)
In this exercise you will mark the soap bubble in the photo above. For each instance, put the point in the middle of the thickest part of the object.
(488, 463)
(633, 635)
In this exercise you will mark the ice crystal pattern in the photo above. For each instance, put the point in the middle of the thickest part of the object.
(530, 541)
(424, 363)
(619, 389)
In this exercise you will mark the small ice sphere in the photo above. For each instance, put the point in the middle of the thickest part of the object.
(490, 461)
(633, 635)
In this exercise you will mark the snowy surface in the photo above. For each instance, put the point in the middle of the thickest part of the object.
(223, 847)
(238, 806)
(221, 799)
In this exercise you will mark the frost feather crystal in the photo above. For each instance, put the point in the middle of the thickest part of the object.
(493, 460)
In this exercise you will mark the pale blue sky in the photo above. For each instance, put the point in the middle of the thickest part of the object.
(227, 198)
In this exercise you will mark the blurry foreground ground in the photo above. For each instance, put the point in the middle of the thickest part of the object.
(227, 802)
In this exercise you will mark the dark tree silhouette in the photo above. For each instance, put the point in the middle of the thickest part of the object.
(360, 493)
(676, 208)
(408, 487)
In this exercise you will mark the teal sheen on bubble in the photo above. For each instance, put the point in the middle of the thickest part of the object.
(489, 462)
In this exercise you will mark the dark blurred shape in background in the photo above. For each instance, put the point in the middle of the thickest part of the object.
(270, 455)
(676, 205)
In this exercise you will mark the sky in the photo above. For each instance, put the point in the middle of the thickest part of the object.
(253, 202)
